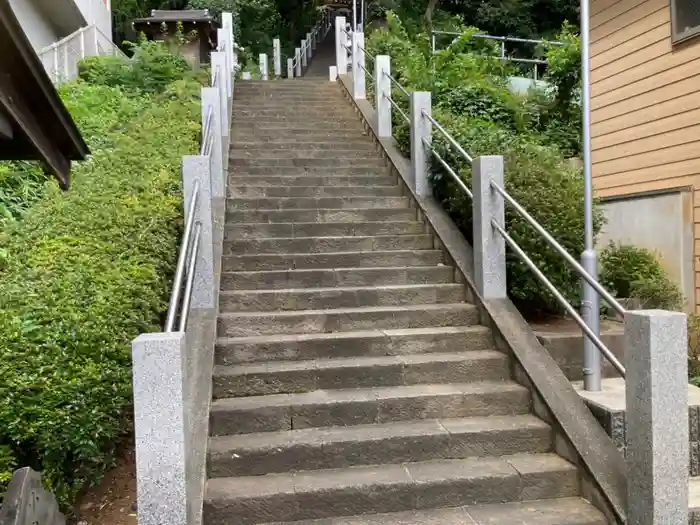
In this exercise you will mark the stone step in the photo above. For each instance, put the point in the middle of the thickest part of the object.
(291, 124)
(361, 214)
(305, 134)
(389, 443)
(302, 112)
(559, 511)
(329, 163)
(340, 297)
(281, 245)
(370, 343)
(322, 229)
(289, 377)
(286, 143)
(288, 261)
(291, 171)
(271, 153)
(388, 488)
(313, 191)
(360, 406)
(236, 180)
(326, 278)
(317, 203)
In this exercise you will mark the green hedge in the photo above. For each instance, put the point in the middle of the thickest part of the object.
(472, 101)
(82, 274)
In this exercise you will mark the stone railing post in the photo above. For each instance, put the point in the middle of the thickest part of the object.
(227, 24)
(421, 132)
(310, 44)
(290, 68)
(656, 395)
(304, 53)
(341, 54)
(211, 103)
(160, 427)
(297, 59)
(358, 63)
(220, 70)
(277, 57)
(382, 90)
(198, 168)
(264, 68)
(489, 245)
(228, 69)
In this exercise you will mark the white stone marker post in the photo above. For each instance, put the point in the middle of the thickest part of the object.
(290, 68)
(277, 57)
(309, 53)
(421, 130)
(264, 68)
(341, 53)
(656, 344)
(304, 55)
(489, 244)
(297, 59)
(358, 64)
(382, 90)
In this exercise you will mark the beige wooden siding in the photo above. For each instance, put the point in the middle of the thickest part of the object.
(645, 106)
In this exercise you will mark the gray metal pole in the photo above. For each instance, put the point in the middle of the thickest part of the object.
(589, 260)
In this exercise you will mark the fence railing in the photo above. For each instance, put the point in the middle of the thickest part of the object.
(503, 41)
(303, 54)
(61, 58)
(172, 369)
(655, 341)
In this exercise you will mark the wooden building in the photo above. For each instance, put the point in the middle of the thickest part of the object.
(645, 126)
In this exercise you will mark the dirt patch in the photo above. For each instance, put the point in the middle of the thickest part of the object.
(114, 501)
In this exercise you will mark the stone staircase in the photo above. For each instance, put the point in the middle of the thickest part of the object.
(353, 382)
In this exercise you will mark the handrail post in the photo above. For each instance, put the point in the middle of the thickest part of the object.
(382, 90)
(211, 102)
(358, 63)
(264, 70)
(308, 45)
(656, 393)
(277, 57)
(227, 24)
(341, 54)
(421, 132)
(229, 70)
(290, 68)
(198, 168)
(219, 61)
(489, 246)
(297, 58)
(304, 59)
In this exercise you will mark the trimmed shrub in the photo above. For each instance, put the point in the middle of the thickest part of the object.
(86, 271)
(636, 273)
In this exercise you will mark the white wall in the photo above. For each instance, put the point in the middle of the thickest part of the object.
(37, 26)
(97, 12)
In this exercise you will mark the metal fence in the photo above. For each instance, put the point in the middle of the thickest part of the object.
(61, 59)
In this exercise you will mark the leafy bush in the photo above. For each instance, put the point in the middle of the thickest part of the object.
(21, 184)
(151, 69)
(632, 272)
(86, 271)
(472, 101)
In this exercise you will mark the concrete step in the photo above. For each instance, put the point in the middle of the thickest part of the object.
(291, 124)
(322, 229)
(288, 261)
(289, 171)
(388, 488)
(289, 377)
(305, 133)
(328, 163)
(282, 245)
(361, 144)
(340, 297)
(313, 191)
(360, 406)
(317, 203)
(389, 443)
(302, 112)
(237, 180)
(370, 343)
(271, 153)
(242, 324)
(326, 278)
(361, 214)
(559, 511)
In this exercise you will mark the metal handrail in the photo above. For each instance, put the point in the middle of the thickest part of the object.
(607, 297)
(182, 260)
(454, 175)
(217, 73)
(502, 38)
(396, 106)
(370, 55)
(449, 138)
(189, 284)
(207, 131)
(396, 83)
(366, 71)
(561, 299)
